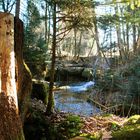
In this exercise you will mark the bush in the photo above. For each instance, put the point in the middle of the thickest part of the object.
(35, 126)
(109, 81)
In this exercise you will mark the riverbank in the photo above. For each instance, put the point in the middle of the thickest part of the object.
(66, 126)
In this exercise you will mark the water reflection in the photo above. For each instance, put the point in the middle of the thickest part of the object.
(74, 100)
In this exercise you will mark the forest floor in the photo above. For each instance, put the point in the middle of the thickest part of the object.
(105, 127)
(97, 127)
(102, 125)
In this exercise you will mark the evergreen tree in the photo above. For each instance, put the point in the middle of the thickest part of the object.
(35, 45)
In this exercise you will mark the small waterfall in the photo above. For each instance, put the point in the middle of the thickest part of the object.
(78, 87)
(81, 87)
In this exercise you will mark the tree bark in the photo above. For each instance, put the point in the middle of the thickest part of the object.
(23, 75)
(17, 12)
(10, 123)
(79, 45)
(99, 51)
(46, 22)
(75, 42)
(118, 33)
(127, 36)
(134, 38)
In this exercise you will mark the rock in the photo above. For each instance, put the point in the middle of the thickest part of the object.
(70, 70)
(38, 105)
(39, 90)
(87, 73)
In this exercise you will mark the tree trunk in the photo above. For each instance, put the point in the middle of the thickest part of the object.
(99, 51)
(24, 78)
(134, 30)
(118, 33)
(127, 36)
(79, 45)
(49, 25)
(50, 106)
(17, 12)
(10, 123)
(134, 39)
(75, 42)
(46, 22)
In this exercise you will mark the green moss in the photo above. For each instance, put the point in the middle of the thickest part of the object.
(27, 68)
(19, 136)
(87, 73)
(94, 136)
(129, 132)
(71, 126)
(35, 125)
(40, 91)
(114, 126)
(133, 120)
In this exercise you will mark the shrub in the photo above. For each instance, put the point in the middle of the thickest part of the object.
(35, 126)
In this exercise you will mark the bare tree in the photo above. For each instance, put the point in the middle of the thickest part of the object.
(17, 11)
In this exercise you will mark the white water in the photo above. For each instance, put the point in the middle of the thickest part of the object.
(78, 87)
(83, 86)
(73, 98)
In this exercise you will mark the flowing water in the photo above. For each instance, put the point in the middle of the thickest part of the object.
(73, 98)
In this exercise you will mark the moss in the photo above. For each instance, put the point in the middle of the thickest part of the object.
(129, 132)
(114, 126)
(20, 136)
(130, 129)
(71, 126)
(87, 73)
(27, 68)
(35, 125)
(94, 136)
(24, 87)
(40, 91)
(133, 120)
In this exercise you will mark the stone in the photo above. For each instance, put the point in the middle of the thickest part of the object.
(87, 73)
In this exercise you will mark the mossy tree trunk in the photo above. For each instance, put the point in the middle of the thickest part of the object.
(10, 123)
(24, 78)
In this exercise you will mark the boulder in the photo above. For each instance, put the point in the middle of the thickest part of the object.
(87, 73)
(70, 70)
(39, 90)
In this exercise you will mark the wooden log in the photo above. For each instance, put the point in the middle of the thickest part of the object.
(10, 123)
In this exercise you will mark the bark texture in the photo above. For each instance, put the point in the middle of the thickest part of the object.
(10, 123)
(24, 78)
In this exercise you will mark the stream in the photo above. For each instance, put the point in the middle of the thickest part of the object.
(73, 99)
